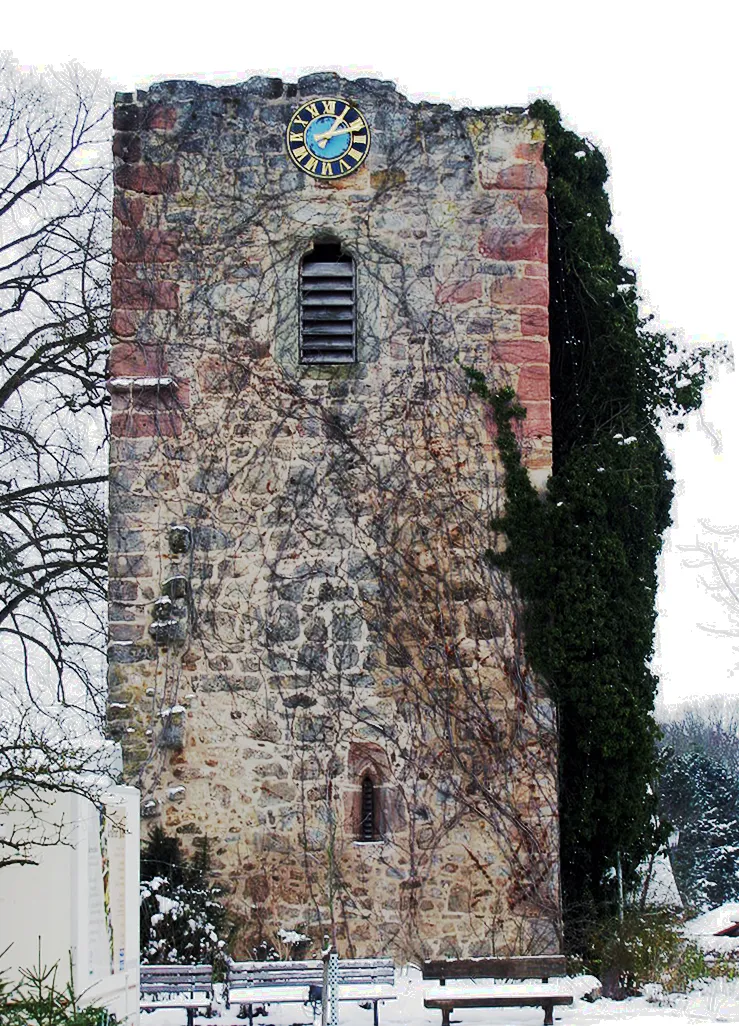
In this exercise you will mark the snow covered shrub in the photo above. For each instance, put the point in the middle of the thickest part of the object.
(292, 944)
(646, 947)
(182, 920)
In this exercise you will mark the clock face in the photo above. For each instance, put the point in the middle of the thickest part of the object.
(328, 138)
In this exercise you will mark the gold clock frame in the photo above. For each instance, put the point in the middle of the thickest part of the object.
(297, 128)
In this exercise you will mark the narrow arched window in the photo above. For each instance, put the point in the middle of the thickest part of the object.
(327, 305)
(368, 824)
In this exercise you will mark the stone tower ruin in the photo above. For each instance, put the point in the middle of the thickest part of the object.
(312, 662)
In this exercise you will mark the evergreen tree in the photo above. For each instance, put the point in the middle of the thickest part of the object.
(181, 917)
(700, 797)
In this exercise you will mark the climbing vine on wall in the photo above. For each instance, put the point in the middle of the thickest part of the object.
(584, 558)
(299, 602)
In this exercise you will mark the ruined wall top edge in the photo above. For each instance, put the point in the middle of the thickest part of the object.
(268, 88)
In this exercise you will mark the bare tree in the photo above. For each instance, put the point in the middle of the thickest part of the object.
(716, 556)
(54, 244)
(54, 224)
(38, 762)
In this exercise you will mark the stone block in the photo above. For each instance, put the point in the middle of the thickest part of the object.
(520, 292)
(138, 294)
(160, 117)
(146, 425)
(150, 246)
(533, 383)
(459, 292)
(523, 176)
(526, 242)
(150, 179)
(535, 320)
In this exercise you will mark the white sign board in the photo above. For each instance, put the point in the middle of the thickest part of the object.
(82, 899)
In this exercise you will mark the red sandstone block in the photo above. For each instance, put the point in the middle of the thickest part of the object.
(125, 631)
(514, 243)
(153, 400)
(166, 424)
(520, 352)
(539, 461)
(534, 270)
(529, 151)
(136, 294)
(145, 246)
(538, 419)
(161, 117)
(533, 383)
(533, 206)
(127, 146)
(523, 176)
(535, 320)
(128, 209)
(507, 291)
(124, 323)
(459, 292)
(151, 179)
(136, 361)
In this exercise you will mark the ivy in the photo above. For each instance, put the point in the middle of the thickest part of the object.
(584, 555)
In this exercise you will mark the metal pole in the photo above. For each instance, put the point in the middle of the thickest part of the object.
(325, 955)
(333, 986)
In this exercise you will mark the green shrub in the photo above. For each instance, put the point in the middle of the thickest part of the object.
(647, 946)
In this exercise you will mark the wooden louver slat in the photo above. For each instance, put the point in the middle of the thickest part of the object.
(327, 306)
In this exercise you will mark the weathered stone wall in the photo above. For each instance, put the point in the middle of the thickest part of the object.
(299, 595)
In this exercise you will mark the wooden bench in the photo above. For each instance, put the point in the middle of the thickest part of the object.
(177, 986)
(497, 995)
(364, 980)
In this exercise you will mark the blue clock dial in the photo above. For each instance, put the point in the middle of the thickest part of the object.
(328, 138)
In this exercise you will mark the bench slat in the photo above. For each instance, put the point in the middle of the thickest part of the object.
(266, 995)
(174, 1003)
(524, 968)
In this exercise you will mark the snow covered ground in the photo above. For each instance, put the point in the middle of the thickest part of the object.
(716, 1001)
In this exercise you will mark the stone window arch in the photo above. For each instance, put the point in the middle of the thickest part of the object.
(327, 305)
(372, 807)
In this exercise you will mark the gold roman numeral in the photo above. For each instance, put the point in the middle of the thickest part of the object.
(329, 106)
(327, 169)
(356, 126)
(299, 121)
(313, 109)
(359, 139)
(299, 152)
(311, 164)
(296, 137)
(343, 166)
(354, 154)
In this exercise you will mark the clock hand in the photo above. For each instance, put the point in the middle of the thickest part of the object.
(333, 130)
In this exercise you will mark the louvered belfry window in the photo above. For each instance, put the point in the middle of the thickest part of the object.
(327, 306)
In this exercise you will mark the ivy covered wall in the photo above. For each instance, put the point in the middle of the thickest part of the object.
(584, 556)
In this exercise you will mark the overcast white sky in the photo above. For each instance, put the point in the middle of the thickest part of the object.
(652, 83)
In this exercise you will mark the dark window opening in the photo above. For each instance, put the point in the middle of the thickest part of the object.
(327, 305)
(368, 825)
